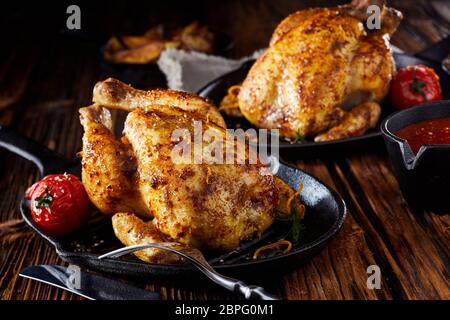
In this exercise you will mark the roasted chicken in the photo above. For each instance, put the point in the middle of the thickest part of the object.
(204, 205)
(320, 63)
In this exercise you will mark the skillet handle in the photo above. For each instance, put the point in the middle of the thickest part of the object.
(436, 52)
(46, 160)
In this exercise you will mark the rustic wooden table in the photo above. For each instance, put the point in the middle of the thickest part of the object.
(45, 78)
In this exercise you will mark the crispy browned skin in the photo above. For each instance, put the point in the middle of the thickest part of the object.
(211, 206)
(354, 123)
(204, 205)
(318, 61)
(115, 94)
(131, 230)
(109, 166)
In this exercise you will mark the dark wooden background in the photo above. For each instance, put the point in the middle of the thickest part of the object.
(46, 77)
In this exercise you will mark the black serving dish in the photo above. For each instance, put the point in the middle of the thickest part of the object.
(431, 57)
(146, 76)
(424, 178)
(325, 214)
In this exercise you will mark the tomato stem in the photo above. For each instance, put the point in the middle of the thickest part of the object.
(417, 86)
(45, 200)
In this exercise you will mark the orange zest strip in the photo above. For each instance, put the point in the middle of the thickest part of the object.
(299, 190)
(273, 245)
(232, 94)
(301, 213)
(234, 90)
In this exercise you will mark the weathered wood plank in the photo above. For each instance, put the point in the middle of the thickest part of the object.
(49, 77)
(417, 261)
(343, 263)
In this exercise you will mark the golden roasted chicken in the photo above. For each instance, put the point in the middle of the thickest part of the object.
(320, 63)
(204, 205)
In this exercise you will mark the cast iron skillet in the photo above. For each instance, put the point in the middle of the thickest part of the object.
(424, 178)
(430, 57)
(144, 76)
(140, 76)
(325, 214)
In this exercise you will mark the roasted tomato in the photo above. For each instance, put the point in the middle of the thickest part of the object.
(59, 204)
(414, 85)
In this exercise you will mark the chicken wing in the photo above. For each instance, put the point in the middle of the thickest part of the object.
(131, 230)
(354, 123)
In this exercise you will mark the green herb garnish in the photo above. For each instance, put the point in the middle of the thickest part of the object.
(297, 227)
(299, 137)
(45, 200)
(417, 86)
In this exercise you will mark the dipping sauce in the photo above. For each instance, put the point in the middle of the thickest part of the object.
(434, 131)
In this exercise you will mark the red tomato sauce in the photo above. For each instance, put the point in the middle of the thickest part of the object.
(434, 131)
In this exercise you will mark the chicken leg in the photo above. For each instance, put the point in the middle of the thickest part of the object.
(109, 167)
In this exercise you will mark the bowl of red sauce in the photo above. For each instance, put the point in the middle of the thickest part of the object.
(418, 144)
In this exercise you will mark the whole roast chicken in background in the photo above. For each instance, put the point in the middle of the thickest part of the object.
(207, 206)
(322, 75)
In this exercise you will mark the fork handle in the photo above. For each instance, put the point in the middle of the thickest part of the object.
(237, 286)
(253, 292)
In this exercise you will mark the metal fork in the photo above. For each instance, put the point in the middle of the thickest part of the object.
(196, 258)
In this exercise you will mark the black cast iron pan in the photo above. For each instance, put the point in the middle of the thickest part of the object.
(140, 76)
(325, 214)
(145, 76)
